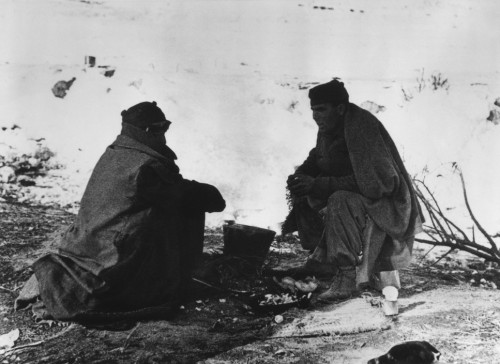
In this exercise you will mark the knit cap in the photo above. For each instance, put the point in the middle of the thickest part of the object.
(332, 92)
(143, 115)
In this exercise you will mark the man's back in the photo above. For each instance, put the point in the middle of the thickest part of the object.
(111, 206)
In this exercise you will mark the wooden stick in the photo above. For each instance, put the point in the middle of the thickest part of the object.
(6, 289)
(431, 249)
(443, 256)
(464, 248)
(37, 343)
(479, 226)
(433, 199)
(431, 209)
(449, 239)
(218, 288)
(129, 336)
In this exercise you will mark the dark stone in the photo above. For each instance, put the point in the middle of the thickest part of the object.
(26, 181)
(494, 116)
(60, 88)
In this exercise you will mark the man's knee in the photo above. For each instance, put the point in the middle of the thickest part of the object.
(340, 201)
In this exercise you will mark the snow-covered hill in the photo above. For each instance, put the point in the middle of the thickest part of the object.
(231, 75)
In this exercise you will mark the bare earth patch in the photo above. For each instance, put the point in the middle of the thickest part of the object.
(437, 304)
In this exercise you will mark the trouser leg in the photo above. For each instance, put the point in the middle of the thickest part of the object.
(342, 245)
(344, 228)
(353, 240)
(309, 223)
(373, 242)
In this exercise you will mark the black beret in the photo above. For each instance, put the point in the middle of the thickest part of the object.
(332, 92)
(143, 115)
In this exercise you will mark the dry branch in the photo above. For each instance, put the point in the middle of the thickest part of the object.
(444, 232)
(6, 289)
(479, 226)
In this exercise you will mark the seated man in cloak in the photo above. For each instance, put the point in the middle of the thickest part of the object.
(353, 202)
(137, 236)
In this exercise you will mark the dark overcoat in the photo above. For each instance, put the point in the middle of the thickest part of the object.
(363, 159)
(133, 241)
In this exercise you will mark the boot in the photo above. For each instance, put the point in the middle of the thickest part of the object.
(319, 269)
(342, 287)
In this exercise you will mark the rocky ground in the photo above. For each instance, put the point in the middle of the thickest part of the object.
(453, 304)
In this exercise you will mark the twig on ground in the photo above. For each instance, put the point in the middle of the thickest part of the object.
(443, 256)
(20, 347)
(125, 345)
(37, 343)
(427, 253)
(7, 290)
(218, 288)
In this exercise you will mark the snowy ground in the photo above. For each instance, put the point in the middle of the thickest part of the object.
(231, 77)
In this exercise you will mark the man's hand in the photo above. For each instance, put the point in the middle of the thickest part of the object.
(300, 184)
(203, 197)
(214, 200)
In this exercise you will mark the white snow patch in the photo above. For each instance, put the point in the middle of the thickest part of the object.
(227, 73)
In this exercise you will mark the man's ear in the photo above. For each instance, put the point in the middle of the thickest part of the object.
(341, 109)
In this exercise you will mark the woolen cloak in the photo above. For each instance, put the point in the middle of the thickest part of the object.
(381, 175)
(133, 242)
(362, 158)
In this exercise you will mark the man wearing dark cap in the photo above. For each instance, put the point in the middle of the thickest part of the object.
(137, 236)
(353, 202)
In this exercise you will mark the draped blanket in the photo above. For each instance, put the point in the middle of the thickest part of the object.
(381, 176)
(370, 167)
(133, 242)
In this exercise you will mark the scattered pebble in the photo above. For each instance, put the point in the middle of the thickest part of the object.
(483, 283)
(278, 319)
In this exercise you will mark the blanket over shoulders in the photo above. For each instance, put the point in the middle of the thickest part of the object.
(132, 243)
(381, 175)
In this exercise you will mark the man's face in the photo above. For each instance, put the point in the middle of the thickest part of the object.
(327, 116)
(159, 128)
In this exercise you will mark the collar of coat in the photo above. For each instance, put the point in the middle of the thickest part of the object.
(130, 143)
